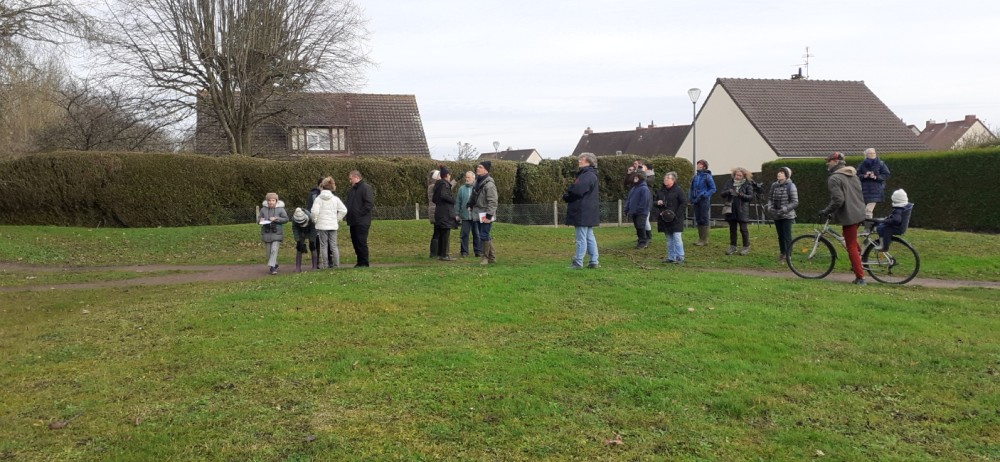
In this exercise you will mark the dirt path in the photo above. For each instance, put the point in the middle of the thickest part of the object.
(226, 273)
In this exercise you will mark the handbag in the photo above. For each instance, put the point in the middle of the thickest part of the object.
(727, 208)
(667, 216)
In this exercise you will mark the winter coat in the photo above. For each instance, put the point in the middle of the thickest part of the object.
(313, 194)
(484, 198)
(327, 211)
(303, 233)
(638, 200)
(581, 197)
(784, 198)
(898, 220)
(272, 232)
(673, 199)
(740, 200)
(702, 187)
(444, 205)
(360, 203)
(462, 201)
(431, 206)
(846, 206)
(872, 189)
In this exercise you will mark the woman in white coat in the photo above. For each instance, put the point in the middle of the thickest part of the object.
(327, 211)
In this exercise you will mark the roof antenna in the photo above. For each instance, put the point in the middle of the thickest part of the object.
(806, 64)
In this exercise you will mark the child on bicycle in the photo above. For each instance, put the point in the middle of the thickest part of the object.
(897, 221)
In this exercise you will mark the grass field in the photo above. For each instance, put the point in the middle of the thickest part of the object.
(524, 360)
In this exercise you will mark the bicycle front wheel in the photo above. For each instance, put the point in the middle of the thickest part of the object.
(811, 257)
(897, 266)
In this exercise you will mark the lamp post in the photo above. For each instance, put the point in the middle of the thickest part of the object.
(496, 147)
(694, 94)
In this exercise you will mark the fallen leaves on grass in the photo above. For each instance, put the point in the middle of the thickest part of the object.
(616, 441)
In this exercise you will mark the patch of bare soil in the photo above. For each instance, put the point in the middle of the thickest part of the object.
(225, 273)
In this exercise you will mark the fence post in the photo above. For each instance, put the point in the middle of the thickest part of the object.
(416, 211)
(619, 212)
(555, 213)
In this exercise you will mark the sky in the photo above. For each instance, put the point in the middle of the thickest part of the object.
(535, 74)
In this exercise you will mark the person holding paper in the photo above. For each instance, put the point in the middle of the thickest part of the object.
(272, 216)
(583, 210)
(483, 204)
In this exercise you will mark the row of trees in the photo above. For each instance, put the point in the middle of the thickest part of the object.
(159, 60)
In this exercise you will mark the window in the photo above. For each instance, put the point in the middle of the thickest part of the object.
(319, 139)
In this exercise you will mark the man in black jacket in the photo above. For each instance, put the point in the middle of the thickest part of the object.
(360, 203)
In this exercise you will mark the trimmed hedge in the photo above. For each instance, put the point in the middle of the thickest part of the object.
(146, 190)
(942, 186)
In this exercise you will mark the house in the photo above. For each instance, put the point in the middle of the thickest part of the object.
(955, 135)
(328, 125)
(530, 156)
(747, 122)
(648, 141)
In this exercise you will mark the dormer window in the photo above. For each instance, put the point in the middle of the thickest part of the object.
(318, 139)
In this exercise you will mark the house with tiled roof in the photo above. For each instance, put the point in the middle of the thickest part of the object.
(955, 135)
(530, 156)
(747, 122)
(328, 125)
(648, 141)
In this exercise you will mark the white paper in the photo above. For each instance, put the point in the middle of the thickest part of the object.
(265, 222)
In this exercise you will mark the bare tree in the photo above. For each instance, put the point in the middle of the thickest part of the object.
(467, 152)
(233, 57)
(107, 119)
(26, 106)
(39, 21)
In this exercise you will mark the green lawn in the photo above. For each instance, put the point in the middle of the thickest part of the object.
(524, 360)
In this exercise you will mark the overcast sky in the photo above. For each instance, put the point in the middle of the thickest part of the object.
(535, 74)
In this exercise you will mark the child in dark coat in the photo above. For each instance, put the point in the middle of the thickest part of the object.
(896, 222)
(304, 232)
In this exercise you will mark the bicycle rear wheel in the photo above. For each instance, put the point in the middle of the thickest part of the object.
(811, 258)
(897, 266)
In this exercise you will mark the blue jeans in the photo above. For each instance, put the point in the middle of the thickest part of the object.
(469, 227)
(585, 243)
(675, 247)
(702, 211)
(483, 231)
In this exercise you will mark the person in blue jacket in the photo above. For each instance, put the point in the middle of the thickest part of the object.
(637, 208)
(583, 210)
(700, 196)
(897, 221)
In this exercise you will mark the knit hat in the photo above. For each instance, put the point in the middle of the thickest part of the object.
(899, 198)
(444, 171)
(487, 165)
(703, 162)
(300, 217)
(788, 172)
(835, 156)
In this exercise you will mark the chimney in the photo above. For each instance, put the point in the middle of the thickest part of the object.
(929, 123)
(588, 131)
(970, 119)
(639, 127)
(651, 124)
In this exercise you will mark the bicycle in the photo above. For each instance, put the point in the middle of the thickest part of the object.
(812, 256)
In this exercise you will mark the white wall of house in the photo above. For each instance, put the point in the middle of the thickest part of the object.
(977, 133)
(726, 138)
(534, 158)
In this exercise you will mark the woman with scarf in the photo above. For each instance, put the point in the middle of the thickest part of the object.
(738, 193)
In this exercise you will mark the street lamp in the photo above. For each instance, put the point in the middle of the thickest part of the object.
(496, 147)
(694, 94)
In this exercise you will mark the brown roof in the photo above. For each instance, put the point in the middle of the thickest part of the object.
(516, 155)
(811, 118)
(643, 141)
(377, 125)
(943, 136)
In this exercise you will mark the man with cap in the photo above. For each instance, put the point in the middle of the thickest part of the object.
(483, 205)
(700, 196)
(847, 207)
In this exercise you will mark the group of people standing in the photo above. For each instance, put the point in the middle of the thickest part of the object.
(473, 208)
(315, 226)
(854, 193)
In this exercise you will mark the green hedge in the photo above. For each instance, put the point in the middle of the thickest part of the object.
(950, 189)
(144, 190)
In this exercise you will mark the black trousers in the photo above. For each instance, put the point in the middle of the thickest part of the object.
(784, 228)
(359, 239)
(441, 235)
(744, 233)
